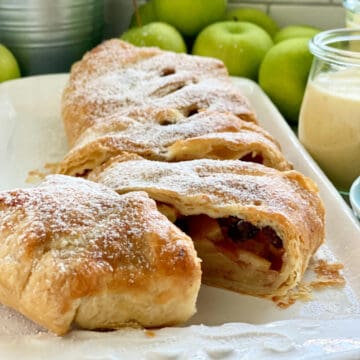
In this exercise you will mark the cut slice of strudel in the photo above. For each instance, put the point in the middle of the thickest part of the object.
(72, 251)
(255, 228)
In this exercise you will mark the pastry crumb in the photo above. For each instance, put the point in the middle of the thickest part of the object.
(301, 292)
(327, 275)
(150, 333)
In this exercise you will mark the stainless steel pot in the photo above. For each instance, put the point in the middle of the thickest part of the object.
(47, 36)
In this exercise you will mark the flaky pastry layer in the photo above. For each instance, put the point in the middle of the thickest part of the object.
(167, 135)
(284, 204)
(73, 251)
(116, 77)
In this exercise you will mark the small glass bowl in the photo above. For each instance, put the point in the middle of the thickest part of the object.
(355, 197)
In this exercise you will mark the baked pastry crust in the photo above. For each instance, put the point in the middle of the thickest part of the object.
(123, 104)
(111, 78)
(166, 135)
(73, 251)
(285, 203)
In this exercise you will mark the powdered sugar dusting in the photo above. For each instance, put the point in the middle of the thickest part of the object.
(75, 218)
(70, 239)
(116, 76)
(206, 186)
(152, 139)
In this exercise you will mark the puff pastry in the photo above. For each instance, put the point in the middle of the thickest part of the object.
(166, 135)
(116, 76)
(73, 251)
(255, 228)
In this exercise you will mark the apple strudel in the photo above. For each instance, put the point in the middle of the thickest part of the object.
(116, 76)
(73, 251)
(166, 135)
(255, 228)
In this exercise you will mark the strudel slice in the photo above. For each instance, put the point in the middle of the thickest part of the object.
(116, 76)
(72, 251)
(166, 135)
(255, 228)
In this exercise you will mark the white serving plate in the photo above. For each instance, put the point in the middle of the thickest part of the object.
(227, 325)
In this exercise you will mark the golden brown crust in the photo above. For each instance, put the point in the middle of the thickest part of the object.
(286, 201)
(75, 251)
(124, 103)
(111, 77)
(166, 135)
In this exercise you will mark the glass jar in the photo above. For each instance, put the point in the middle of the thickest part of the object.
(329, 122)
(352, 16)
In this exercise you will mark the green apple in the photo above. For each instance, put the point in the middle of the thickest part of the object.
(158, 34)
(295, 31)
(146, 13)
(283, 75)
(9, 68)
(190, 16)
(240, 45)
(256, 17)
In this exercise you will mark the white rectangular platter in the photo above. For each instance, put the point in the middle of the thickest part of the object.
(227, 325)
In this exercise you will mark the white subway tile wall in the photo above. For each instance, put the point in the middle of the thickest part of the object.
(325, 14)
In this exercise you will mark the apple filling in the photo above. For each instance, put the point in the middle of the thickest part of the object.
(261, 242)
(241, 241)
(238, 239)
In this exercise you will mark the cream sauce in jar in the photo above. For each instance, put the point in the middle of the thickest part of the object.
(329, 124)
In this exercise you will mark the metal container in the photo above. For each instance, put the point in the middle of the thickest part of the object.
(47, 36)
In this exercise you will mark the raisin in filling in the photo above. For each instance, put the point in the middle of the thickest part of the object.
(182, 224)
(263, 242)
(256, 159)
(232, 235)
